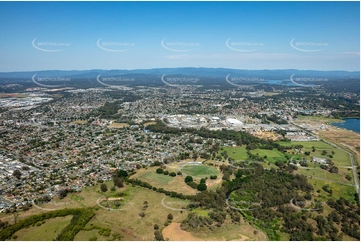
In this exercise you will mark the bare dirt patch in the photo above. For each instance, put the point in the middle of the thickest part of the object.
(149, 123)
(118, 125)
(174, 232)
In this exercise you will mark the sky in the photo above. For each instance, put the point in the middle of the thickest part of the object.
(142, 35)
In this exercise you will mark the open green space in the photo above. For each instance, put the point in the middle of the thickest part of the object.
(166, 182)
(339, 157)
(338, 190)
(159, 178)
(240, 154)
(272, 155)
(237, 153)
(199, 170)
(44, 231)
(317, 119)
(85, 235)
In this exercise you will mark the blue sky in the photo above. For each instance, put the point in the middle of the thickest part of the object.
(129, 35)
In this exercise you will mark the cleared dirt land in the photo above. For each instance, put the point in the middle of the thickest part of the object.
(79, 122)
(118, 125)
(174, 232)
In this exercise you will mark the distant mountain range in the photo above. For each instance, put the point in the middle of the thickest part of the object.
(189, 71)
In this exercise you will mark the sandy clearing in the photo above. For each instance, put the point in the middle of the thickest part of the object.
(174, 232)
(118, 125)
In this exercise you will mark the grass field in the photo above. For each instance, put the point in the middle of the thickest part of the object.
(340, 158)
(86, 235)
(47, 231)
(346, 139)
(272, 155)
(129, 224)
(318, 119)
(199, 171)
(338, 190)
(167, 182)
(230, 232)
(159, 178)
(238, 153)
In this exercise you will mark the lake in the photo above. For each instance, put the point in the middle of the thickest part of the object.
(350, 124)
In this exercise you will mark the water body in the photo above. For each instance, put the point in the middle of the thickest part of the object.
(350, 124)
(278, 82)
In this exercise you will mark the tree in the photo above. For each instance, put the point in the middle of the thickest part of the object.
(159, 171)
(3, 225)
(118, 182)
(17, 174)
(226, 176)
(156, 226)
(172, 174)
(103, 187)
(170, 216)
(122, 173)
(202, 187)
(188, 179)
(279, 163)
(63, 193)
(158, 235)
(194, 156)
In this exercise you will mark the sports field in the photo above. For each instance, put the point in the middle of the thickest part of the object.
(199, 171)
(159, 178)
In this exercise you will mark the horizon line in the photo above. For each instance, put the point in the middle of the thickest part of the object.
(178, 68)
